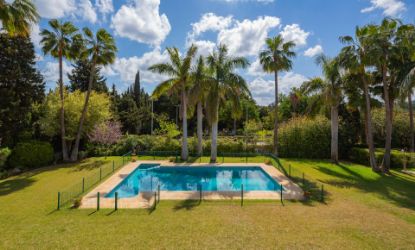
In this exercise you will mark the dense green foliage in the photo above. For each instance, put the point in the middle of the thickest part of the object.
(398, 158)
(79, 78)
(31, 154)
(21, 85)
(4, 155)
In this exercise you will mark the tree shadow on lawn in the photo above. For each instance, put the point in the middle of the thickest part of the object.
(187, 205)
(15, 184)
(392, 187)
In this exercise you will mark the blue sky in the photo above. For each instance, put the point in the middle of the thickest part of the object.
(144, 28)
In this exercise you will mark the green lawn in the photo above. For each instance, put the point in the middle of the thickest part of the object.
(362, 210)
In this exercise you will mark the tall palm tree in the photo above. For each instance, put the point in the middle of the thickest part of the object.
(276, 58)
(100, 50)
(227, 85)
(179, 71)
(354, 58)
(381, 50)
(62, 41)
(18, 16)
(330, 88)
(197, 96)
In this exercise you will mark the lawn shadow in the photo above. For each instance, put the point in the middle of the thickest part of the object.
(87, 165)
(391, 187)
(312, 192)
(187, 205)
(15, 184)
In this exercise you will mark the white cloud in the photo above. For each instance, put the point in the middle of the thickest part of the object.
(35, 35)
(55, 8)
(295, 34)
(126, 67)
(259, 1)
(313, 51)
(140, 21)
(389, 7)
(247, 37)
(87, 11)
(255, 69)
(204, 47)
(104, 6)
(51, 73)
(209, 22)
(263, 90)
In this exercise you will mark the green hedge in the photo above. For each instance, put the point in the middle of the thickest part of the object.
(4, 155)
(31, 154)
(398, 158)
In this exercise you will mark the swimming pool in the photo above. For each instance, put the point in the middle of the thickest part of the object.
(147, 178)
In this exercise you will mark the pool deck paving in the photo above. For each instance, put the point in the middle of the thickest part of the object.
(146, 199)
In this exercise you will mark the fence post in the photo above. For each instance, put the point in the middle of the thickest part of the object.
(116, 200)
(322, 193)
(158, 190)
(98, 201)
(59, 200)
(155, 200)
(242, 195)
(83, 184)
(113, 166)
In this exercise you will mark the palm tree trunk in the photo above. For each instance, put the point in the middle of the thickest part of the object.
(199, 128)
(62, 111)
(75, 149)
(184, 124)
(214, 145)
(368, 122)
(276, 115)
(335, 134)
(411, 122)
(388, 125)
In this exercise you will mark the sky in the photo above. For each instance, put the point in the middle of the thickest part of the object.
(144, 28)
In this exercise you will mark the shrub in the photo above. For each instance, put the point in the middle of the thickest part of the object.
(31, 154)
(398, 158)
(4, 155)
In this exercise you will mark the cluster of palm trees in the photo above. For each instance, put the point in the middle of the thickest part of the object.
(63, 41)
(378, 61)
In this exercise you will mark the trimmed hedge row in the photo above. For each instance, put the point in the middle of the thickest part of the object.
(398, 158)
(31, 154)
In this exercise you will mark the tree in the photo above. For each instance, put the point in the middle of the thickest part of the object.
(179, 71)
(330, 88)
(225, 85)
(106, 134)
(61, 42)
(354, 57)
(18, 16)
(197, 97)
(79, 78)
(100, 50)
(277, 57)
(21, 85)
(98, 113)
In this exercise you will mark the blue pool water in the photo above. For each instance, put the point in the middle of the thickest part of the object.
(147, 177)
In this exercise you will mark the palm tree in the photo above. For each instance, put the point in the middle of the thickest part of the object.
(63, 41)
(18, 16)
(227, 85)
(197, 95)
(277, 57)
(330, 88)
(354, 58)
(381, 50)
(179, 71)
(100, 50)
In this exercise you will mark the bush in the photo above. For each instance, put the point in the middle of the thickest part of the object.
(304, 137)
(31, 154)
(398, 158)
(4, 155)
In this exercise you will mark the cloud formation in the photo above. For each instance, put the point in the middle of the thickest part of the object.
(390, 7)
(313, 51)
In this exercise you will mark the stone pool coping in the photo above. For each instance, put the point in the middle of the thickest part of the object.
(145, 199)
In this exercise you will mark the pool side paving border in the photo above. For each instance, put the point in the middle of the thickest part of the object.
(145, 200)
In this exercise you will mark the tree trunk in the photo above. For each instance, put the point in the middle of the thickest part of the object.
(185, 152)
(75, 149)
(65, 156)
(276, 115)
(388, 125)
(213, 145)
(368, 122)
(199, 128)
(411, 122)
(335, 134)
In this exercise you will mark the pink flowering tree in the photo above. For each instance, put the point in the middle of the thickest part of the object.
(106, 134)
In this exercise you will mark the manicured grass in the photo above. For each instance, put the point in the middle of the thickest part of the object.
(362, 210)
